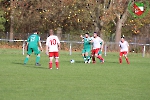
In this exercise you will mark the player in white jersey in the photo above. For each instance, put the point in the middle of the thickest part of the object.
(52, 48)
(96, 40)
(124, 49)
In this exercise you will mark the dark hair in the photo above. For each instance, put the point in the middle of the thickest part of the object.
(87, 33)
(35, 30)
(95, 32)
(122, 37)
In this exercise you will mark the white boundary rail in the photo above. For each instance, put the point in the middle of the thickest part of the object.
(70, 45)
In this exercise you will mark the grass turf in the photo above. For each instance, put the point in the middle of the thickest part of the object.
(78, 81)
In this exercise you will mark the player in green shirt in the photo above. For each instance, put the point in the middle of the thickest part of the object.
(33, 44)
(86, 51)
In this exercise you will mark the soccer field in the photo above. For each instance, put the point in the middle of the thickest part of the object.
(78, 81)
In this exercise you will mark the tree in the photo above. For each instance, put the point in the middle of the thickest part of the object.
(96, 10)
(2, 19)
(119, 11)
(45, 14)
(69, 16)
(12, 11)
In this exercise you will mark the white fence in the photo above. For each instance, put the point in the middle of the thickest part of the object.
(109, 46)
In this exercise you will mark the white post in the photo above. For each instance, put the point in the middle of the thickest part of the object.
(144, 51)
(105, 49)
(23, 47)
(70, 49)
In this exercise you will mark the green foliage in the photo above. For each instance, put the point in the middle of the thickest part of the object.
(2, 20)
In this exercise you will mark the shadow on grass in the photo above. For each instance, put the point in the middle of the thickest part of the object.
(29, 65)
(79, 62)
(97, 61)
(111, 62)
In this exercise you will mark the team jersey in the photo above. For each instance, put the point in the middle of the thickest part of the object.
(87, 44)
(96, 42)
(33, 41)
(124, 46)
(52, 42)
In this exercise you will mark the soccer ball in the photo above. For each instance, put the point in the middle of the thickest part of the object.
(72, 61)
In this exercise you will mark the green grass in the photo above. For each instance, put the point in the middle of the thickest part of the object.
(78, 81)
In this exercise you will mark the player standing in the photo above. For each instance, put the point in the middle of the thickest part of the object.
(96, 40)
(52, 48)
(33, 44)
(124, 49)
(86, 48)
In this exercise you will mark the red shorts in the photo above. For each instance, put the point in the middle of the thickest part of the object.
(53, 54)
(95, 51)
(123, 53)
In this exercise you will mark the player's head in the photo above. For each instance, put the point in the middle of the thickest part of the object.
(35, 31)
(51, 32)
(122, 38)
(95, 34)
(86, 35)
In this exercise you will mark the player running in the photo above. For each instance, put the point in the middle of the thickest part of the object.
(96, 40)
(124, 49)
(86, 48)
(33, 44)
(99, 52)
(52, 48)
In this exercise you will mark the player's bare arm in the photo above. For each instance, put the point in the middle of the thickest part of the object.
(26, 47)
(58, 46)
(82, 37)
(128, 49)
(40, 45)
(46, 50)
(102, 45)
